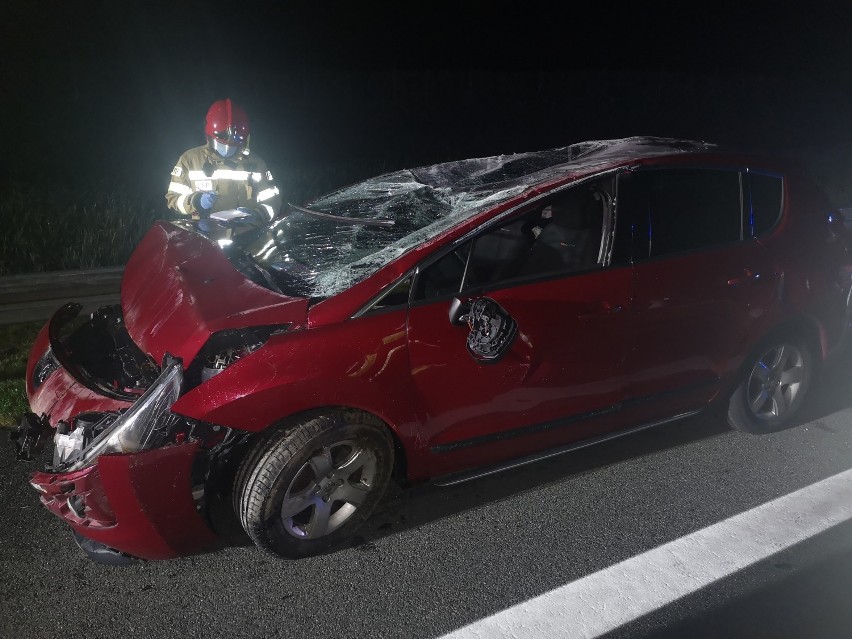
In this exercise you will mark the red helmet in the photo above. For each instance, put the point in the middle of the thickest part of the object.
(227, 127)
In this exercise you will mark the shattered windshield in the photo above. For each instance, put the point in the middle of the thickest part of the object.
(358, 229)
(321, 256)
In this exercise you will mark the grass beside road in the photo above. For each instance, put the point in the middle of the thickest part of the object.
(62, 229)
(57, 228)
(15, 343)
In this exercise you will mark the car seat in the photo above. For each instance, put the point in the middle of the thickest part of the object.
(572, 239)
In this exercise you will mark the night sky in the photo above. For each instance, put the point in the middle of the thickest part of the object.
(111, 93)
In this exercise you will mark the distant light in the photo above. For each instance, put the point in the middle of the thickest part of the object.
(224, 242)
(830, 219)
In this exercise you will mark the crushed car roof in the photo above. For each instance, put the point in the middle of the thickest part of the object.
(537, 166)
(420, 203)
(509, 171)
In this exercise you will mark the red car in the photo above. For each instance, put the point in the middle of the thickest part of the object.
(439, 323)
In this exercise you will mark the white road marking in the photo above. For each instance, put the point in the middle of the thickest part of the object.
(601, 602)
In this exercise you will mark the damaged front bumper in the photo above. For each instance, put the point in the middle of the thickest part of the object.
(121, 477)
(140, 504)
(129, 485)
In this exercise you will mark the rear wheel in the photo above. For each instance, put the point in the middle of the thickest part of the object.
(773, 388)
(309, 487)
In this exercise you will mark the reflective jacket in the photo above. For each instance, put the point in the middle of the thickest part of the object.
(240, 181)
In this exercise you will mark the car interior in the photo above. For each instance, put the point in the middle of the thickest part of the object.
(561, 234)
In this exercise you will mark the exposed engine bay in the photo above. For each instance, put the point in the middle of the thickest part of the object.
(100, 354)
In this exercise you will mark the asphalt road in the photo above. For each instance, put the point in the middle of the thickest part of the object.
(32, 297)
(434, 560)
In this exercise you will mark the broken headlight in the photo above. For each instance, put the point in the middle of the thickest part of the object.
(144, 425)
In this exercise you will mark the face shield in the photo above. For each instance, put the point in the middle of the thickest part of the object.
(228, 143)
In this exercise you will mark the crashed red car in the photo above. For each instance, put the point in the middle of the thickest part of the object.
(438, 323)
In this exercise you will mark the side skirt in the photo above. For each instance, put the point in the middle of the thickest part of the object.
(467, 475)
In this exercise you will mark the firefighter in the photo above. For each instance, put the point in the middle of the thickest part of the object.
(223, 175)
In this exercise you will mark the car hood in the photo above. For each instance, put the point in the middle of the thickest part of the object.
(179, 288)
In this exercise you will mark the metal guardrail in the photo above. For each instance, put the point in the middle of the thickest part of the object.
(36, 296)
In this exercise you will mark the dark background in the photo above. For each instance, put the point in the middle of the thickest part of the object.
(108, 94)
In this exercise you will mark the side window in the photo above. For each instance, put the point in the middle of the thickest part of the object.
(444, 276)
(564, 233)
(684, 210)
(397, 296)
(498, 254)
(763, 197)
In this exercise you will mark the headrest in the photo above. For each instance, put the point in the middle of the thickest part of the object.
(575, 209)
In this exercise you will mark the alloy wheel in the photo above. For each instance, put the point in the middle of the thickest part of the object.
(328, 489)
(775, 382)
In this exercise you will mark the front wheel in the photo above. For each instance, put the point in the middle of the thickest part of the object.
(309, 487)
(773, 388)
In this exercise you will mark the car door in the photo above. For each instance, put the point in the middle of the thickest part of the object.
(552, 371)
(702, 285)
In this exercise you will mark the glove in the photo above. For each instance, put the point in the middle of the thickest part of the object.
(205, 200)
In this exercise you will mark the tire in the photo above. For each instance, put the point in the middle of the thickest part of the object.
(774, 387)
(306, 489)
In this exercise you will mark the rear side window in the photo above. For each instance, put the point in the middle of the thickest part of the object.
(763, 197)
(680, 210)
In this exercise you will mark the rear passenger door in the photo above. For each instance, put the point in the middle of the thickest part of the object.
(702, 283)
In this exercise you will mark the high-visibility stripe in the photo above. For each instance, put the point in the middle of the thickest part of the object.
(221, 174)
(265, 194)
(256, 177)
(177, 187)
(229, 174)
(181, 204)
(269, 210)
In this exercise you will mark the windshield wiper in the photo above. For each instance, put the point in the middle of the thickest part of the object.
(266, 275)
(354, 221)
(246, 260)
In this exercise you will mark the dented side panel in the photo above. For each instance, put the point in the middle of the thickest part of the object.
(362, 364)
